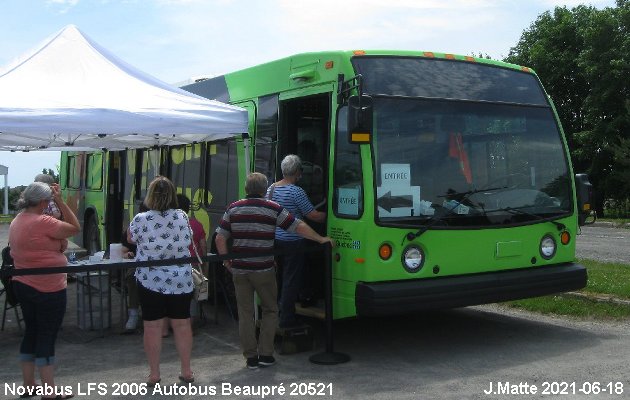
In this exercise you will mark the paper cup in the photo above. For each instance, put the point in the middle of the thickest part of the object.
(115, 252)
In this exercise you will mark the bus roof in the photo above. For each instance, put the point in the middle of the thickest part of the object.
(347, 54)
(317, 67)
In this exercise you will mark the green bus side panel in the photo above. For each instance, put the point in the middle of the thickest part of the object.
(290, 73)
(343, 299)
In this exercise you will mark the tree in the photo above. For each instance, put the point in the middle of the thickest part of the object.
(51, 173)
(14, 195)
(582, 58)
(481, 55)
(606, 60)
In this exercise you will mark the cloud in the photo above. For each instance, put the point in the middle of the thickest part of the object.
(575, 3)
(64, 5)
(211, 37)
(398, 24)
(217, 36)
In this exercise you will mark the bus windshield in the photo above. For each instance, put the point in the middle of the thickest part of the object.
(466, 143)
(467, 163)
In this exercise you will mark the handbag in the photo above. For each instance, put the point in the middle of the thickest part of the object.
(7, 281)
(200, 282)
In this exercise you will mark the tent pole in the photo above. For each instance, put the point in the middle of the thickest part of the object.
(6, 195)
(5, 171)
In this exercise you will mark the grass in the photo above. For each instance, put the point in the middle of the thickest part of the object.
(620, 222)
(604, 279)
(608, 278)
(574, 307)
(5, 219)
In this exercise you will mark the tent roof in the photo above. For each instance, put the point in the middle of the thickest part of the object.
(71, 93)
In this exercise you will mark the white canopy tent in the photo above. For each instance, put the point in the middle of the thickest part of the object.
(73, 94)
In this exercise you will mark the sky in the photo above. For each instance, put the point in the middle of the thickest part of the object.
(175, 40)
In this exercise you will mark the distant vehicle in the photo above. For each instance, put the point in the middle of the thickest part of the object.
(446, 179)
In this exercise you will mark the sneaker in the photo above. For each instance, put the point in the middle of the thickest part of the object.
(252, 363)
(266, 361)
(132, 323)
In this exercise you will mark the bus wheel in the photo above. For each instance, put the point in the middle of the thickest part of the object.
(91, 240)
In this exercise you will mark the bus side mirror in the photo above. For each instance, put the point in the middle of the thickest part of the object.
(360, 119)
(584, 194)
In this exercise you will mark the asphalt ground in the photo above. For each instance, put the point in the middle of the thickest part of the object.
(604, 242)
(453, 354)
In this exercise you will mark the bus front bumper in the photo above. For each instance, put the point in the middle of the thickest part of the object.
(398, 297)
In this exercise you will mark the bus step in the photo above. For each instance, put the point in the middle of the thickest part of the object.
(295, 339)
(316, 311)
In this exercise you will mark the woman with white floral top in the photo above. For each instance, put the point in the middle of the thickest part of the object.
(163, 233)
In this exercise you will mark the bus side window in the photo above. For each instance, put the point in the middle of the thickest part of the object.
(222, 174)
(74, 172)
(348, 177)
(185, 168)
(94, 171)
(178, 166)
(217, 177)
(147, 168)
(266, 136)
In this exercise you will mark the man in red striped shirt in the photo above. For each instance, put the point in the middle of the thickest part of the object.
(251, 223)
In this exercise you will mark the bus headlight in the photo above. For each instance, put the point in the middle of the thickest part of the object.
(413, 258)
(547, 247)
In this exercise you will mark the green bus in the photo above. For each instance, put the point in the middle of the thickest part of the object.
(446, 179)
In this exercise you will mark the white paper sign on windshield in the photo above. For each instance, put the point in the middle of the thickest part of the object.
(395, 175)
(348, 201)
(396, 197)
(398, 201)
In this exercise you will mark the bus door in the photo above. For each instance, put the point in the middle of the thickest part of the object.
(72, 178)
(137, 169)
(115, 196)
(94, 213)
(304, 130)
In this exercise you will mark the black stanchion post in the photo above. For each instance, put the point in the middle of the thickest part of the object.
(124, 306)
(215, 296)
(329, 356)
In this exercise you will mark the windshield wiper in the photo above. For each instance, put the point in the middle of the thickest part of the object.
(513, 210)
(469, 193)
(412, 235)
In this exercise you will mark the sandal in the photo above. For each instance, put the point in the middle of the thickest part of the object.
(151, 384)
(185, 380)
(30, 391)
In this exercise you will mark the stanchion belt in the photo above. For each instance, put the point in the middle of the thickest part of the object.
(210, 257)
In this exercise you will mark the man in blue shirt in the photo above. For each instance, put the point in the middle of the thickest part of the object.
(292, 197)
